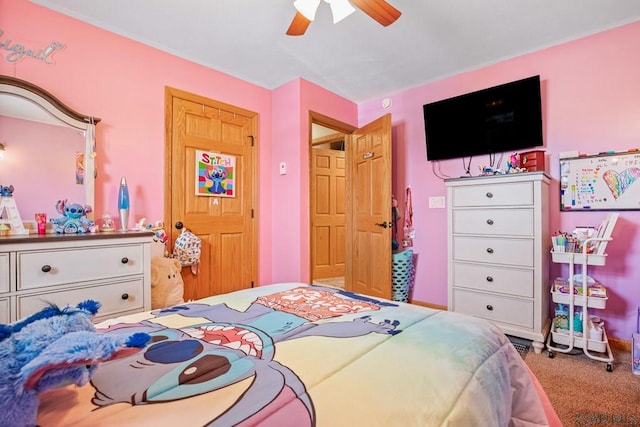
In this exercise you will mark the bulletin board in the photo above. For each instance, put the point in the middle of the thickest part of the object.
(600, 182)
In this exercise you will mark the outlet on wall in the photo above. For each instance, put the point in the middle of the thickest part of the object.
(436, 202)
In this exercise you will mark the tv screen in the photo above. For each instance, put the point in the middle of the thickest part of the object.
(494, 120)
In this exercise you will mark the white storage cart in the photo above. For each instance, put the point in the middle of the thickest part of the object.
(569, 338)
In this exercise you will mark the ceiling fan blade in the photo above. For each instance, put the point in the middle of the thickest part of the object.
(379, 10)
(298, 26)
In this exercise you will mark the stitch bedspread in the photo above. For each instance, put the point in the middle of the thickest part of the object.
(298, 355)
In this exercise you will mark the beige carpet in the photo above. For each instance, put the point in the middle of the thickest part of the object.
(583, 393)
(336, 282)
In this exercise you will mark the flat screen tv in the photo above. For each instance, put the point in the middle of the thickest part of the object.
(502, 118)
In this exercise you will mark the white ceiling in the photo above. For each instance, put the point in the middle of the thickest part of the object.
(356, 58)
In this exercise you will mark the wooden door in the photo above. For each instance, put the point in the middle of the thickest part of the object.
(327, 213)
(226, 225)
(369, 209)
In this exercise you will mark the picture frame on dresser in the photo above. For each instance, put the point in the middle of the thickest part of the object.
(498, 251)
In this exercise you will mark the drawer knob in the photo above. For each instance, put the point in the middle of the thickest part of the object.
(489, 307)
(489, 250)
(124, 260)
(46, 268)
(490, 221)
(125, 296)
(489, 279)
(490, 195)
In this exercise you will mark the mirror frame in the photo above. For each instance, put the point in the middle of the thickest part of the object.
(23, 89)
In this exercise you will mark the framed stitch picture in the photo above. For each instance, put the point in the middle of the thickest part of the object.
(215, 174)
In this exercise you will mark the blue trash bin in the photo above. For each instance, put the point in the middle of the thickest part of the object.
(401, 275)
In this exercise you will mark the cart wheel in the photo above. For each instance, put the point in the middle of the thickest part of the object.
(609, 367)
(550, 354)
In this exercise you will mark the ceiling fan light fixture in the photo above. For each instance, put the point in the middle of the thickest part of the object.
(340, 9)
(307, 8)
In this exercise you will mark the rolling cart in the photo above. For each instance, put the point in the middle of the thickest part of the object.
(570, 340)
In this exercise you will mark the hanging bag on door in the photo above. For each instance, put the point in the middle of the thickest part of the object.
(409, 232)
(187, 248)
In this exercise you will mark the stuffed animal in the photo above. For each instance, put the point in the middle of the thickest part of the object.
(73, 218)
(53, 348)
(167, 287)
(6, 190)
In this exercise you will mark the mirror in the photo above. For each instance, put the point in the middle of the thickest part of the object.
(49, 150)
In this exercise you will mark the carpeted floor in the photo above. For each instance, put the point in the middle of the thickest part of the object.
(582, 391)
(336, 282)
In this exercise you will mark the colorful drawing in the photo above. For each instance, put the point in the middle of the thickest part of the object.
(618, 183)
(215, 174)
(79, 168)
(603, 181)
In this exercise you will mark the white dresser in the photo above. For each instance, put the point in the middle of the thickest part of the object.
(499, 251)
(111, 268)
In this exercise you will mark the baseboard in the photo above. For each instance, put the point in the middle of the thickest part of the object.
(620, 344)
(614, 343)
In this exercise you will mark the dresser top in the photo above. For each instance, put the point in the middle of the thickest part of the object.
(522, 176)
(55, 238)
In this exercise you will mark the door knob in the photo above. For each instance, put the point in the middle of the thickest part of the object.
(382, 224)
(179, 225)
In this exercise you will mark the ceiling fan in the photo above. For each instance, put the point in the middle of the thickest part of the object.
(380, 10)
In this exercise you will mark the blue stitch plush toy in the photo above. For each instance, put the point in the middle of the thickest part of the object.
(73, 218)
(53, 348)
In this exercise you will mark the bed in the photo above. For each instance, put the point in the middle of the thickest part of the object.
(298, 355)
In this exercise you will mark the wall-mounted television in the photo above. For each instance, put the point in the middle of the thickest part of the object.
(502, 118)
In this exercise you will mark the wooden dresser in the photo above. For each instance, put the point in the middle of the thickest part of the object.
(111, 268)
(499, 251)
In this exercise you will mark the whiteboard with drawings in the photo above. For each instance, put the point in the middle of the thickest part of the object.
(600, 182)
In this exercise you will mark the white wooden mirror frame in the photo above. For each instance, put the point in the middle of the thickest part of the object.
(51, 110)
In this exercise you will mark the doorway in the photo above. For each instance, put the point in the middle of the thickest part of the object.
(327, 205)
(366, 222)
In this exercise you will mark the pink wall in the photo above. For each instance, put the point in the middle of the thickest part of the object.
(590, 103)
(38, 155)
(292, 103)
(123, 82)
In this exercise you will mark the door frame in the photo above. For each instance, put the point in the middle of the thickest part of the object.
(169, 94)
(347, 130)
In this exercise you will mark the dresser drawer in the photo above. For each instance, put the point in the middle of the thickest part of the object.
(69, 266)
(114, 298)
(493, 307)
(517, 252)
(507, 194)
(4, 273)
(493, 222)
(501, 280)
(5, 313)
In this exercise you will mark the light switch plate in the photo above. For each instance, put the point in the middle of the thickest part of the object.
(436, 202)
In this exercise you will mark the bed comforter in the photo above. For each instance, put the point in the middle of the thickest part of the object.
(298, 355)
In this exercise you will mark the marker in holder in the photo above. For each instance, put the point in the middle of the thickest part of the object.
(635, 347)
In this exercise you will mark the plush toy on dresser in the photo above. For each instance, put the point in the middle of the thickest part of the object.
(167, 286)
(53, 348)
(73, 218)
